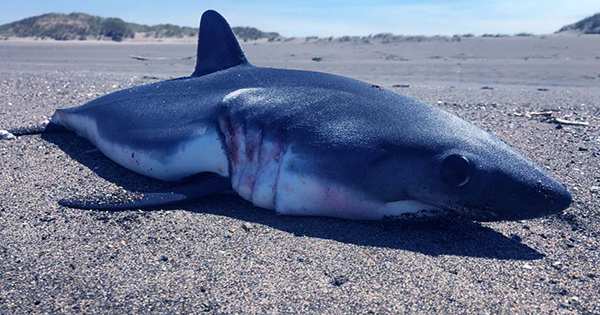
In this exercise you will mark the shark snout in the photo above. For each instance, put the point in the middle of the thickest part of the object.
(531, 196)
(551, 197)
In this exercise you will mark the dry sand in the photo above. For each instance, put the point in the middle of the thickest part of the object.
(222, 255)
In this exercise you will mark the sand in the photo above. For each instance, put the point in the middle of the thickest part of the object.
(222, 255)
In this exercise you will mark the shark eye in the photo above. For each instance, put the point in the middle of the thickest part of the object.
(456, 170)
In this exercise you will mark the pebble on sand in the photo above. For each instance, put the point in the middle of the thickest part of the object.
(247, 227)
(339, 280)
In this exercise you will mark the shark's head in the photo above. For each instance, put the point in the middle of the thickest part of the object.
(492, 183)
(463, 168)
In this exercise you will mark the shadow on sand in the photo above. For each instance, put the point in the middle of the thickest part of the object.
(440, 237)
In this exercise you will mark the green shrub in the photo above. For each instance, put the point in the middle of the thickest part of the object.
(116, 29)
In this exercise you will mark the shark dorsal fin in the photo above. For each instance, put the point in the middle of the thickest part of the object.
(218, 49)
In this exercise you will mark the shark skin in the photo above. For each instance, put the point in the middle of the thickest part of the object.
(309, 143)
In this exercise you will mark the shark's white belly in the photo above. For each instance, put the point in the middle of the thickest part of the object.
(203, 152)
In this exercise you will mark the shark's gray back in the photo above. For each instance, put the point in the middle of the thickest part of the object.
(313, 108)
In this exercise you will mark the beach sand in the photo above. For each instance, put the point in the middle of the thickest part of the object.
(222, 255)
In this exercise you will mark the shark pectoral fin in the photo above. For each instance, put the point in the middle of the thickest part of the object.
(218, 49)
(189, 190)
(146, 201)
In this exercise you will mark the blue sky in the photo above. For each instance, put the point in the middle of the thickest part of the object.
(336, 17)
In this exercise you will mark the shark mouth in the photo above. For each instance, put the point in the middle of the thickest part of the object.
(478, 213)
(427, 210)
(469, 212)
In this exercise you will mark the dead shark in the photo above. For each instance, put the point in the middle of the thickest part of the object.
(305, 143)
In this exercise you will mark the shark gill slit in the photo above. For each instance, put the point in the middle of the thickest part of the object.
(255, 161)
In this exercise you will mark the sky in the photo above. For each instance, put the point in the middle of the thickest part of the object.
(334, 17)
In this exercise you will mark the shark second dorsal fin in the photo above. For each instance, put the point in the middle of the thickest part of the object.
(218, 49)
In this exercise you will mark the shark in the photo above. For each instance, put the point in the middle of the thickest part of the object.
(305, 143)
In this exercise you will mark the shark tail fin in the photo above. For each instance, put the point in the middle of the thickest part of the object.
(46, 126)
(218, 49)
